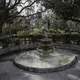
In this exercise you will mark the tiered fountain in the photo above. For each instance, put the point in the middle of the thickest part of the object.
(45, 58)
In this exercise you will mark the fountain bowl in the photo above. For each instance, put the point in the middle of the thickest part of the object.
(31, 61)
(46, 58)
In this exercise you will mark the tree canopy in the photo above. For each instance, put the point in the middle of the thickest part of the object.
(9, 8)
(65, 9)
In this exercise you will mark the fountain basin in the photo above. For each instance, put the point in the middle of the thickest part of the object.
(31, 60)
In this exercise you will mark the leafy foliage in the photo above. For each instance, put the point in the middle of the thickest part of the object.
(64, 9)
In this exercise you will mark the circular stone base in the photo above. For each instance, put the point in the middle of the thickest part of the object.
(32, 61)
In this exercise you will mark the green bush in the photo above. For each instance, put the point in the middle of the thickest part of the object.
(22, 34)
(36, 31)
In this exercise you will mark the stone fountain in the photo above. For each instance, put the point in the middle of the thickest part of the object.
(45, 58)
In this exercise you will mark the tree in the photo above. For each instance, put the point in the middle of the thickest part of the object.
(65, 9)
(9, 9)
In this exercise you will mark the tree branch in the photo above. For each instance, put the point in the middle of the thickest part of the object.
(24, 2)
(8, 3)
(28, 15)
(15, 4)
(27, 6)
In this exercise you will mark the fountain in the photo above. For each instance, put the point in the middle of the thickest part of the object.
(46, 58)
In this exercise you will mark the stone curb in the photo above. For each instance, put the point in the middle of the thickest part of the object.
(46, 70)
